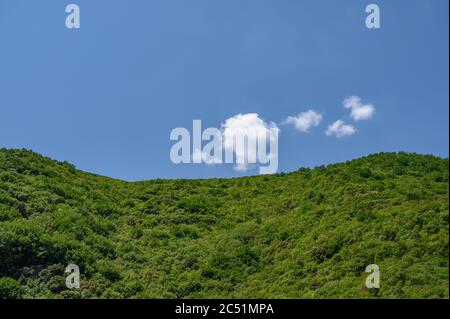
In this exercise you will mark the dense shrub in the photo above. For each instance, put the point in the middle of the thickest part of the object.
(306, 234)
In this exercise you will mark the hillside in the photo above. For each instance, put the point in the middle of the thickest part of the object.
(306, 234)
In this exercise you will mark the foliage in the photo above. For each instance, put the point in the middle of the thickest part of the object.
(306, 234)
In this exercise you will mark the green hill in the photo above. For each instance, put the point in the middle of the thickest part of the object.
(306, 234)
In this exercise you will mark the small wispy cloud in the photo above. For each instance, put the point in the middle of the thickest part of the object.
(305, 120)
(340, 129)
(359, 111)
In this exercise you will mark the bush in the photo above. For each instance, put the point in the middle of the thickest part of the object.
(11, 289)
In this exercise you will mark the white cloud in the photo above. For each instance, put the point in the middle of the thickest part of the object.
(359, 111)
(251, 127)
(305, 120)
(340, 129)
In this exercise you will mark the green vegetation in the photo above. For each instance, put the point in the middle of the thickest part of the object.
(306, 234)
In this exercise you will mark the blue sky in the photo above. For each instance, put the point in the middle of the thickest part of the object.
(106, 97)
